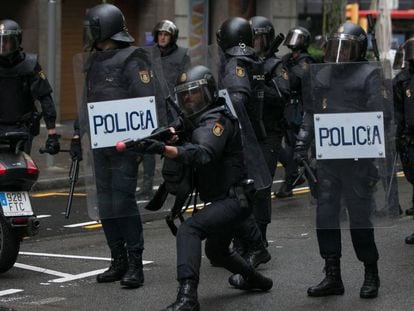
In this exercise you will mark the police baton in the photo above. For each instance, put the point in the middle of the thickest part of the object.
(309, 171)
(73, 178)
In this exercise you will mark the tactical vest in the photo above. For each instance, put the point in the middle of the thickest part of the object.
(229, 169)
(346, 88)
(254, 108)
(15, 93)
(273, 106)
(173, 65)
(408, 96)
(105, 77)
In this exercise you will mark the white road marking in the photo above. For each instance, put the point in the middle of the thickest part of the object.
(144, 262)
(43, 216)
(64, 256)
(42, 270)
(77, 276)
(10, 291)
(81, 224)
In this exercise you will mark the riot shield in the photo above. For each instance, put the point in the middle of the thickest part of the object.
(115, 94)
(353, 126)
(257, 168)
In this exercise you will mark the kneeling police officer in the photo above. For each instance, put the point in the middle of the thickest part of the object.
(215, 152)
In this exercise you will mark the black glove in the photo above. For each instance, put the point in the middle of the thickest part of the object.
(52, 145)
(301, 153)
(152, 146)
(76, 149)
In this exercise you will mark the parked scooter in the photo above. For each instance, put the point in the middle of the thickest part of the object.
(18, 173)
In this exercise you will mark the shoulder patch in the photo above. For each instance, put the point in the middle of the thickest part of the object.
(240, 71)
(408, 93)
(42, 75)
(144, 76)
(218, 129)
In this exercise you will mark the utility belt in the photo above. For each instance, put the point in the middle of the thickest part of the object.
(243, 192)
(30, 121)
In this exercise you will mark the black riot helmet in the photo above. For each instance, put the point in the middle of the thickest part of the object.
(405, 53)
(166, 26)
(235, 36)
(349, 43)
(10, 37)
(196, 90)
(297, 39)
(263, 34)
(102, 22)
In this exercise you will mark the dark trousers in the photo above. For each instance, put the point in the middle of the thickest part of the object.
(353, 182)
(216, 223)
(124, 231)
(286, 155)
(407, 161)
(116, 175)
(262, 204)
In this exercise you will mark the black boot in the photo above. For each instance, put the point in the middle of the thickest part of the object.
(263, 230)
(409, 239)
(257, 255)
(410, 211)
(186, 297)
(285, 190)
(118, 267)
(134, 277)
(371, 282)
(254, 281)
(332, 283)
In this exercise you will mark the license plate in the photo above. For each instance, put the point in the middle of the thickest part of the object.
(15, 204)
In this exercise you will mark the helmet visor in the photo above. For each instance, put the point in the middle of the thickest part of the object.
(342, 50)
(192, 97)
(261, 44)
(295, 39)
(91, 33)
(409, 49)
(8, 43)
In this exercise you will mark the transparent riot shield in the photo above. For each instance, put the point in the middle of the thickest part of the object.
(353, 126)
(115, 95)
(257, 168)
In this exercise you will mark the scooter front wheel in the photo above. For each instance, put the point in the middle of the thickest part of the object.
(9, 245)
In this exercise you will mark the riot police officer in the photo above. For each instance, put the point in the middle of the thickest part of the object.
(22, 83)
(276, 93)
(242, 74)
(215, 152)
(297, 63)
(403, 91)
(168, 61)
(344, 87)
(115, 70)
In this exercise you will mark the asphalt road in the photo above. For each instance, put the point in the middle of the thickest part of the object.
(56, 269)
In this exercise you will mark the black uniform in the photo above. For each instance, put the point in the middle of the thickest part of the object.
(403, 90)
(22, 81)
(297, 68)
(167, 63)
(243, 77)
(217, 158)
(112, 75)
(339, 89)
(276, 92)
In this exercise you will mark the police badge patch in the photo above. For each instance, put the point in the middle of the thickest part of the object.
(218, 129)
(408, 93)
(42, 75)
(144, 76)
(240, 72)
